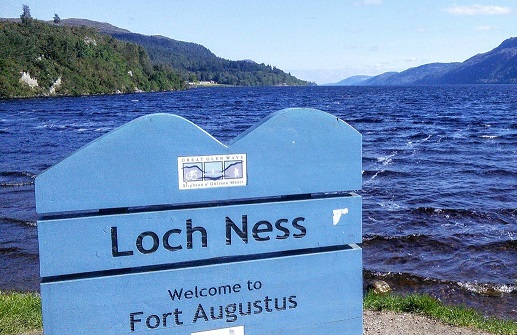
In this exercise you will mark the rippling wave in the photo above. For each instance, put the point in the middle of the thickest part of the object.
(16, 178)
(493, 299)
(18, 222)
(441, 243)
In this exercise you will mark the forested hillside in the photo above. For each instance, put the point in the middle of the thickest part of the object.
(38, 58)
(194, 61)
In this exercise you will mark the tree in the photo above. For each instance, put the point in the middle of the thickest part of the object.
(26, 14)
(57, 19)
(192, 78)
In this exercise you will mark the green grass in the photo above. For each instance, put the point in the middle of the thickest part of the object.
(19, 312)
(428, 306)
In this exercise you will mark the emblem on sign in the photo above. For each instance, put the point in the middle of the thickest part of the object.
(212, 171)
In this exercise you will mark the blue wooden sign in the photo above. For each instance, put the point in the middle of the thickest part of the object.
(156, 227)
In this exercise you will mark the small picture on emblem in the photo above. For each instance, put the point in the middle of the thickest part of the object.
(192, 172)
(233, 170)
(213, 170)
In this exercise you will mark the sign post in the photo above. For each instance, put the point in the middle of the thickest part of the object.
(158, 228)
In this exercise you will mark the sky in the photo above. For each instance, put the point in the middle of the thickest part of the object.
(321, 41)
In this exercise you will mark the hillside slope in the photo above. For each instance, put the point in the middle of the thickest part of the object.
(196, 62)
(38, 59)
(422, 75)
(351, 81)
(498, 66)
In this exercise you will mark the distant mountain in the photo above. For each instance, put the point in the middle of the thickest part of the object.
(426, 74)
(351, 81)
(194, 61)
(380, 79)
(498, 66)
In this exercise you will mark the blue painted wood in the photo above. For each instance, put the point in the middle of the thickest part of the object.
(85, 244)
(294, 151)
(322, 295)
(202, 214)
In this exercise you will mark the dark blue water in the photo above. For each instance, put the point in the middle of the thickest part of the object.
(439, 181)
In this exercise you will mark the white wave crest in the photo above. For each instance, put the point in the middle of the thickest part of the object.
(488, 289)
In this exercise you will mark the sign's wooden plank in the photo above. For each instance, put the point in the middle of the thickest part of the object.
(304, 295)
(147, 162)
(151, 238)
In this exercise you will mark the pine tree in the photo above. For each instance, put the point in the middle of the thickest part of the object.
(26, 14)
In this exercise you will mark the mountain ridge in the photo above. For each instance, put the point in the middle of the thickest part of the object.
(194, 61)
(497, 66)
(103, 27)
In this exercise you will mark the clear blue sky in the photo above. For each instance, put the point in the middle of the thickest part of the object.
(322, 41)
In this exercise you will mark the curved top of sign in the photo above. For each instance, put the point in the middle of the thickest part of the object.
(164, 159)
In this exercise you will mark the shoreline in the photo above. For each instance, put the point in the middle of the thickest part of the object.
(500, 305)
(384, 313)
(394, 323)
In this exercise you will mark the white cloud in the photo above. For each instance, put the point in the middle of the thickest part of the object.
(478, 10)
(486, 28)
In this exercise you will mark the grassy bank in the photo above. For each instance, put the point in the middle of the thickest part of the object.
(21, 312)
(428, 306)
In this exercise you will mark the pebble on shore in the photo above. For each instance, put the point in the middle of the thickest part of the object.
(391, 323)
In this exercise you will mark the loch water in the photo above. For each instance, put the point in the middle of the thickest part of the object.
(439, 175)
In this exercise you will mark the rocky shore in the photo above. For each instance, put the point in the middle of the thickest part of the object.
(391, 323)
